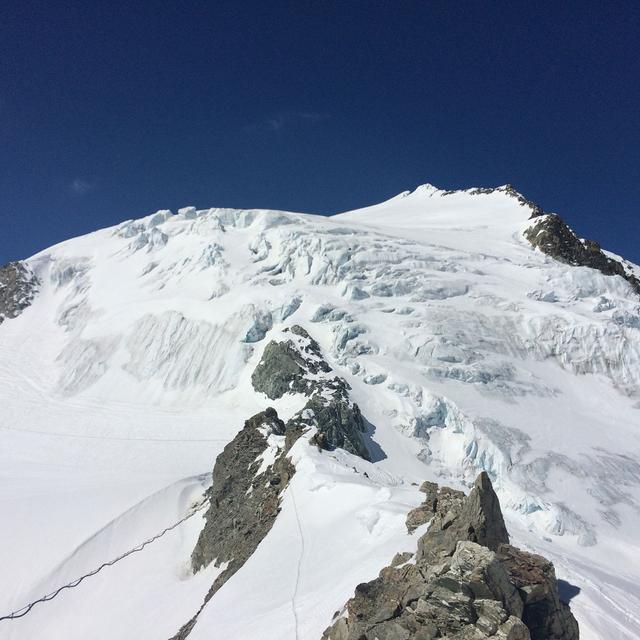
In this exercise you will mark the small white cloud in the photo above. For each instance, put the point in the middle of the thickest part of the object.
(80, 187)
(278, 121)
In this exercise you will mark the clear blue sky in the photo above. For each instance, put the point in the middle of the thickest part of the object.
(111, 110)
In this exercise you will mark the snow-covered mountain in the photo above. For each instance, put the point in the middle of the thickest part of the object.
(475, 332)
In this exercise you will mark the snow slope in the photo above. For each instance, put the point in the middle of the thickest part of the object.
(466, 350)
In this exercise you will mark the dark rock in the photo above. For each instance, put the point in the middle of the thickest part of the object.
(438, 540)
(18, 287)
(244, 498)
(481, 518)
(553, 236)
(418, 516)
(297, 366)
(467, 582)
(243, 502)
(338, 421)
(287, 367)
(544, 614)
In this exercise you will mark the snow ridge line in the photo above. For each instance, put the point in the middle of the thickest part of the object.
(23, 611)
(295, 590)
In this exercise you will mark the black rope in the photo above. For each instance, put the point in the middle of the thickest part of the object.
(23, 611)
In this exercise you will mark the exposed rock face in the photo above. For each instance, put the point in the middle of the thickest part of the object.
(338, 421)
(424, 512)
(297, 366)
(553, 236)
(467, 582)
(286, 367)
(249, 477)
(534, 576)
(253, 470)
(18, 286)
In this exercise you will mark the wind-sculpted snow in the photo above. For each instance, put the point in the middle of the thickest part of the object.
(466, 350)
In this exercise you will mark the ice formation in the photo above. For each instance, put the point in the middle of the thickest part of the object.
(128, 369)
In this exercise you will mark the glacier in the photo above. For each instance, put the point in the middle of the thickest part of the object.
(466, 348)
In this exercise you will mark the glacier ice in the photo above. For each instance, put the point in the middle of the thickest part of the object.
(466, 348)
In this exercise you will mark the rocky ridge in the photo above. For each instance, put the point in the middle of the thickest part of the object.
(249, 477)
(467, 582)
(507, 189)
(553, 236)
(254, 469)
(18, 287)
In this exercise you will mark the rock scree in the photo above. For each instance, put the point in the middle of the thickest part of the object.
(467, 582)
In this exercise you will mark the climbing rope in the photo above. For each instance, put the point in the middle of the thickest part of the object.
(23, 611)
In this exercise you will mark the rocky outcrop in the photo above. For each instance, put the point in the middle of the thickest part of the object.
(553, 236)
(337, 420)
(466, 583)
(544, 613)
(297, 366)
(249, 477)
(424, 512)
(288, 367)
(253, 470)
(18, 286)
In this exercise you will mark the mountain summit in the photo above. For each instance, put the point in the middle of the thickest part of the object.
(254, 424)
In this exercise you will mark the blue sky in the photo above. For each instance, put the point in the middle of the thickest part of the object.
(111, 110)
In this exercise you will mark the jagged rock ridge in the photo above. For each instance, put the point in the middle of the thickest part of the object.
(507, 189)
(254, 469)
(467, 582)
(249, 477)
(553, 236)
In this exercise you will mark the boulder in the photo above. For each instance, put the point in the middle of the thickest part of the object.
(534, 576)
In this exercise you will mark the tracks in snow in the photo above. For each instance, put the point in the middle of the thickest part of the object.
(299, 565)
